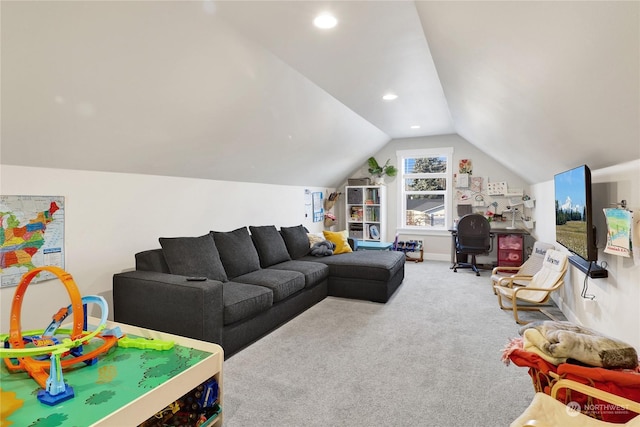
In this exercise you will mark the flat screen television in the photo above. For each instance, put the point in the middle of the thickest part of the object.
(574, 215)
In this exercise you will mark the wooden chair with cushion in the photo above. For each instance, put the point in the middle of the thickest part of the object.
(530, 267)
(537, 289)
(547, 411)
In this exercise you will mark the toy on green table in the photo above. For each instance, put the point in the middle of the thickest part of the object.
(144, 343)
(61, 352)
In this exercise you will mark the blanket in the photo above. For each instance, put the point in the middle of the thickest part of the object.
(323, 248)
(558, 341)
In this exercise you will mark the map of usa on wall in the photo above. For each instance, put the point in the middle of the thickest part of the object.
(31, 235)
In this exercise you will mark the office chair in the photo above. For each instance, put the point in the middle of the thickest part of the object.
(473, 237)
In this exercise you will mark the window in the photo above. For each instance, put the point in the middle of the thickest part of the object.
(425, 189)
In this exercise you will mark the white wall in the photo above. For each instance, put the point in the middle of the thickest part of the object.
(111, 216)
(614, 311)
(437, 244)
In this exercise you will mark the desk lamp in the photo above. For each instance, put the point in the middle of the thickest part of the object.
(513, 210)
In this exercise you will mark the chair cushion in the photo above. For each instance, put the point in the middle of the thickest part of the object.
(530, 267)
(269, 244)
(534, 263)
(242, 301)
(552, 272)
(314, 272)
(237, 252)
(281, 282)
(193, 256)
(339, 238)
(473, 245)
(296, 240)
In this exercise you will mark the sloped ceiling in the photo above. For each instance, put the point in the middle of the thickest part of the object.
(541, 86)
(251, 91)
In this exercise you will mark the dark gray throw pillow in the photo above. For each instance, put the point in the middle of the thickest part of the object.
(297, 240)
(237, 252)
(193, 256)
(269, 244)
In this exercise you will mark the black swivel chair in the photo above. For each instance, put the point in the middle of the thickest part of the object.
(473, 237)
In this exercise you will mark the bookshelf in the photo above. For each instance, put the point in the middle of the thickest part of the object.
(366, 212)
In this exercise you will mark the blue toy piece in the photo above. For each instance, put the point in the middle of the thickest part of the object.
(115, 332)
(48, 399)
(207, 394)
(57, 391)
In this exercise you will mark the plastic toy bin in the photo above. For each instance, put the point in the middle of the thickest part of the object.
(510, 241)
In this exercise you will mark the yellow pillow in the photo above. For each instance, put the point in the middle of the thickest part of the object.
(339, 238)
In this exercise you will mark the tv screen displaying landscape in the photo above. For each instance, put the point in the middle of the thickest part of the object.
(572, 200)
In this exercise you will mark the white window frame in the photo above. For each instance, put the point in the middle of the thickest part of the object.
(401, 155)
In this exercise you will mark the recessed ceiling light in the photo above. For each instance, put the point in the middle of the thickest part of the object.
(415, 127)
(389, 96)
(325, 21)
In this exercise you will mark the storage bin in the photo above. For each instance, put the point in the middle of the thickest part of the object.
(510, 241)
(358, 181)
(354, 196)
(514, 257)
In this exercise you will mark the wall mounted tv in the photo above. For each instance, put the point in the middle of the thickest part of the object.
(574, 219)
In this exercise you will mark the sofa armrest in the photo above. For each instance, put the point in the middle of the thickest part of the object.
(353, 243)
(169, 303)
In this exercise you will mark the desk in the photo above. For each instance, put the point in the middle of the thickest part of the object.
(368, 245)
(502, 233)
(124, 388)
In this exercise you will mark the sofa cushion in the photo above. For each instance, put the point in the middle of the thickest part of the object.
(237, 252)
(367, 265)
(269, 244)
(152, 260)
(338, 238)
(193, 256)
(242, 301)
(314, 272)
(296, 240)
(281, 282)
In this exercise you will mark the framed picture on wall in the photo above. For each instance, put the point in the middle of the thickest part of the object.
(318, 209)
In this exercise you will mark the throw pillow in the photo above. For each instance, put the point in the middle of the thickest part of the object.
(296, 240)
(269, 244)
(237, 252)
(193, 256)
(339, 238)
(315, 238)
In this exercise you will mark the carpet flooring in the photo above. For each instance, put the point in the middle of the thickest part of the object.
(428, 357)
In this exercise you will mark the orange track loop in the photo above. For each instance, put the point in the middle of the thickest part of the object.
(15, 334)
(36, 368)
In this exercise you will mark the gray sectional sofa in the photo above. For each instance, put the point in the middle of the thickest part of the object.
(250, 282)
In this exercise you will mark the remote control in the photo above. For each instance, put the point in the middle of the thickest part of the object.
(196, 279)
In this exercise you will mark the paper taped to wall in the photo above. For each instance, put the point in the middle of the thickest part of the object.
(618, 231)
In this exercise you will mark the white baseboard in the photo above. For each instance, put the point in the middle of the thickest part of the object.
(565, 309)
(436, 257)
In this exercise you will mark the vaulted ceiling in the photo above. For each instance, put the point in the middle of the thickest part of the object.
(252, 91)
